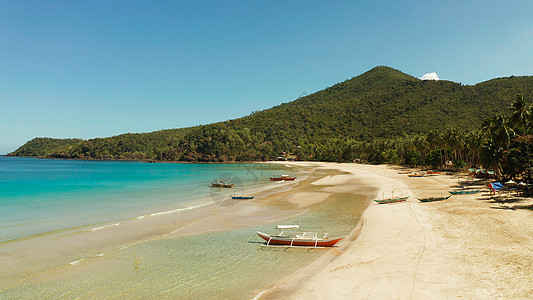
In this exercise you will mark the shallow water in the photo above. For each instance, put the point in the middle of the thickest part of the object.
(224, 265)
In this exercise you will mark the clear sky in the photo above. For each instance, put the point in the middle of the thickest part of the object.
(100, 68)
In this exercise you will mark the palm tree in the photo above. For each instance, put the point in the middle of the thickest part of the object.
(473, 142)
(492, 156)
(499, 131)
(520, 115)
(421, 145)
(436, 142)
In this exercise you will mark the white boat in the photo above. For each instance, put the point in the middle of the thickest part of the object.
(306, 239)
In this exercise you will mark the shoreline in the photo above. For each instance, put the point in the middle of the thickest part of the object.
(148, 161)
(468, 246)
(46, 257)
(463, 247)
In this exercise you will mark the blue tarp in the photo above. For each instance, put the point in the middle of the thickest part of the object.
(496, 185)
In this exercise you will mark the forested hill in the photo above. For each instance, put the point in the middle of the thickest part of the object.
(381, 103)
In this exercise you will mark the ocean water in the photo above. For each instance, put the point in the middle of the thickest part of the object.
(43, 196)
(39, 196)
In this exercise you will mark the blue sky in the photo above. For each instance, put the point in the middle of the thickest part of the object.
(99, 68)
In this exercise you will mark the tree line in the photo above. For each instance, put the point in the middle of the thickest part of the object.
(381, 116)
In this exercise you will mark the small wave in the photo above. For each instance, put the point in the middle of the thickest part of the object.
(259, 295)
(172, 211)
(105, 226)
(75, 262)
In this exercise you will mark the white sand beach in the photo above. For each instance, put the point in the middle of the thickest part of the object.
(468, 246)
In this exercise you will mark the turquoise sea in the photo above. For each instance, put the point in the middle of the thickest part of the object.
(47, 252)
(38, 196)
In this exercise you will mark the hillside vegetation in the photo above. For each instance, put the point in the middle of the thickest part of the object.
(343, 122)
(44, 146)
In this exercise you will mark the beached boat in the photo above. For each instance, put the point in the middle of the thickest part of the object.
(433, 172)
(216, 184)
(242, 197)
(464, 192)
(417, 175)
(392, 200)
(302, 239)
(431, 199)
(228, 185)
(282, 177)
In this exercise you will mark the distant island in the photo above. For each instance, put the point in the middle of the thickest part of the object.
(381, 116)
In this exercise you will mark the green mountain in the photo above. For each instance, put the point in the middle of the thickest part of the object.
(44, 146)
(381, 103)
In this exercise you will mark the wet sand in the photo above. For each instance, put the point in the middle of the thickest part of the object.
(469, 246)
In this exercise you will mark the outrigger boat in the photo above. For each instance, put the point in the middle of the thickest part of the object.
(282, 177)
(433, 172)
(242, 197)
(417, 174)
(464, 192)
(220, 183)
(302, 239)
(431, 199)
(392, 200)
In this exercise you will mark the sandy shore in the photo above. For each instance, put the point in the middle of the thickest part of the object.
(469, 246)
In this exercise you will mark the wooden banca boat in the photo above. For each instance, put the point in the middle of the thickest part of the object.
(433, 172)
(417, 174)
(431, 199)
(282, 178)
(392, 200)
(299, 239)
(464, 192)
(236, 197)
(221, 183)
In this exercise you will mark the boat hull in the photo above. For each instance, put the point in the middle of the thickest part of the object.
(463, 192)
(392, 200)
(282, 178)
(287, 241)
(432, 199)
(242, 197)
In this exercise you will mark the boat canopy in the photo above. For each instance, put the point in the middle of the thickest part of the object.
(287, 227)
